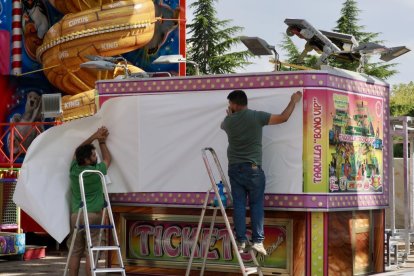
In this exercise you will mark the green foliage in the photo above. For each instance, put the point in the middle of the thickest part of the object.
(293, 55)
(348, 24)
(402, 104)
(402, 100)
(211, 40)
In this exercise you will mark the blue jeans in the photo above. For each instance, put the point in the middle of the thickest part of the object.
(248, 180)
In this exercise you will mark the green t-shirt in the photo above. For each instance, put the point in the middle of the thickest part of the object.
(244, 133)
(92, 185)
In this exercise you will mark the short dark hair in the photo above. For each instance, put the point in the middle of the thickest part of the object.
(238, 97)
(83, 152)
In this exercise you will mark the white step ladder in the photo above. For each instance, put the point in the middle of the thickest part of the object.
(244, 270)
(96, 248)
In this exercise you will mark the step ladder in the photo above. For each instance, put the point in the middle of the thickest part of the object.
(86, 227)
(244, 270)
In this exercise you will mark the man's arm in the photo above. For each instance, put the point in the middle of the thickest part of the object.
(100, 134)
(91, 138)
(229, 112)
(284, 116)
(106, 155)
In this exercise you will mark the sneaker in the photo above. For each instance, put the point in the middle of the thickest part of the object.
(258, 246)
(241, 246)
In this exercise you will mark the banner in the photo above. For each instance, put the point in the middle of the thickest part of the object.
(343, 142)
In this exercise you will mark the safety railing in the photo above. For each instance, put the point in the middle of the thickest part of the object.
(15, 139)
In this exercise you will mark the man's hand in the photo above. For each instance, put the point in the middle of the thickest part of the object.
(101, 134)
(229, 111)
(296, 97)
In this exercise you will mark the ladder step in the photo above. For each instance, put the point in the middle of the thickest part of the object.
(251, 270)
(101, 248)
(97, 226)
(110, 269)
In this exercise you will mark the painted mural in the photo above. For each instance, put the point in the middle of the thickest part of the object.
(57, 36)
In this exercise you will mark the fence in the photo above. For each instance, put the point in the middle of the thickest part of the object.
(15, 138)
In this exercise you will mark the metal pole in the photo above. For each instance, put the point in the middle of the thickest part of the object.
(391, 184)
(406, 188)
(410, 183)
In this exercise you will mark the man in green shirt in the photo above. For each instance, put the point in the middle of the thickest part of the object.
(243, 127)
(86, 159)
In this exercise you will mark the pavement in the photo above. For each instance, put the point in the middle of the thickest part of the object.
(55, 261)
(53, 264)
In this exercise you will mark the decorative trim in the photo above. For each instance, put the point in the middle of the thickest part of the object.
(317, 243)
(229, 82)
(319, 202)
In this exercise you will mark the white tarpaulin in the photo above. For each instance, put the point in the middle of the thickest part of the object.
(155, 142)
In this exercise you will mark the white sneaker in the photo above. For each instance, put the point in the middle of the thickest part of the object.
(241, 246)
(258, 246)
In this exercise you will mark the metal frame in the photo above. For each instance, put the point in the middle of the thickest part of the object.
(243, 269)
(403, 127)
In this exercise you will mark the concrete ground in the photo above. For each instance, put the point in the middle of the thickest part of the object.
(54, 264)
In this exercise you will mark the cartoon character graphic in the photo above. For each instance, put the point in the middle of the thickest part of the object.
(162, 28)
(24, 134)
(35, 25)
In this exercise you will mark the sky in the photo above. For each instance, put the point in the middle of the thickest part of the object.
(393, 19)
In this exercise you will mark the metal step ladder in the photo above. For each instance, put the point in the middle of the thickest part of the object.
(244, 270)
(86, 227)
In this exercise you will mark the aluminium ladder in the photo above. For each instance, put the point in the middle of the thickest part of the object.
(96, 248)
(244, 270)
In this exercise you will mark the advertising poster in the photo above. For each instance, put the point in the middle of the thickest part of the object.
(355, 143)
(343, 149)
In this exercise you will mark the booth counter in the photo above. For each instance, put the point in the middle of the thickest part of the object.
(327, 171)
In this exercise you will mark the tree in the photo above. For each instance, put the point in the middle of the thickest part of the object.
(348, 24)
(293, 55)
(401, 104)
(211, 40)
(402, 100)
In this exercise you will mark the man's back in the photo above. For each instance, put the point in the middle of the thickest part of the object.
(244, 131)
(92, 187)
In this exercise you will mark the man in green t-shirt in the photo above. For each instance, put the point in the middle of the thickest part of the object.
(243, 127)
(86, 159)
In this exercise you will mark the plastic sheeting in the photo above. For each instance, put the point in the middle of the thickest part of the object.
(155, 142)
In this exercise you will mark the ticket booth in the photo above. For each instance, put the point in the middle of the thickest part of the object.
(327, 171)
